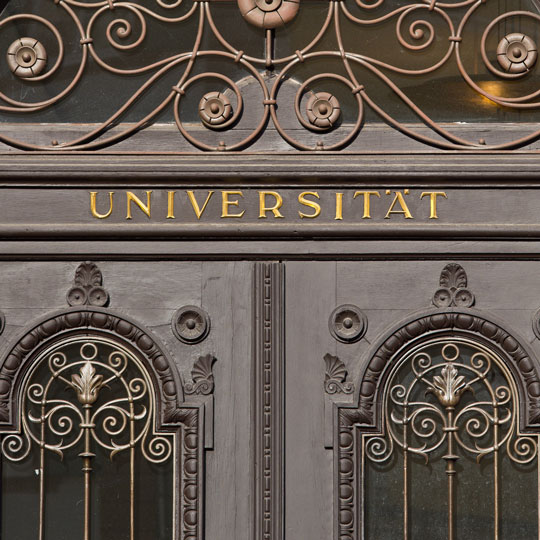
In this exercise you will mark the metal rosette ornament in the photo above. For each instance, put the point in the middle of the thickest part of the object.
(27, 57)
(217, 111)
(34, 56)
(319, 111)
(517, 53)
(268, 14)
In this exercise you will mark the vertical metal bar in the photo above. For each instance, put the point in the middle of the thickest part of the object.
(538, 482)
(496, 471)
(42, 476)
(269, 48)
(450, 470)
(405, 484)
(87, 469)
(132, 485)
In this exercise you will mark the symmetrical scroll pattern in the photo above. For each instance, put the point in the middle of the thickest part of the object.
(450, 400)
(451, 396)
(433, 35)
(82, 397)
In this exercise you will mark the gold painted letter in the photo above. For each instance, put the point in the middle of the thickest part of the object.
(95, 213)
(339, 206)
(398, 198)
(226, 203)
(144, 207)
(433, 202)
(367, 201)
(199, 211)
(170, 204)
(306, 202)
(274, 209)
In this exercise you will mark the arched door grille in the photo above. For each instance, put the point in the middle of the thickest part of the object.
(451, 449)
(89, 401)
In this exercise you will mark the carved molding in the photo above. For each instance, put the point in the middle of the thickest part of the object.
(335, 377)
(467, 324)
(453, 290)
(268, 406)
(87, 287)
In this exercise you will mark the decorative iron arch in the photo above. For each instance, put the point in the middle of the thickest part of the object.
(92, 321)
(367, 414)
(467, 322)
(171, 413)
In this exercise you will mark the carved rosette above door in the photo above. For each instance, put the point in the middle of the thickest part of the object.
(314, 63)
(449, 378)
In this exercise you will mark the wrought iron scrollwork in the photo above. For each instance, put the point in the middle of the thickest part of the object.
(122, 26)
(449, 400)
(84, 396)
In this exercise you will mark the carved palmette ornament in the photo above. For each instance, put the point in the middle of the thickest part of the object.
(268, 14)
(203, 378)
(87, 287)
(335, 378)
(453, 291)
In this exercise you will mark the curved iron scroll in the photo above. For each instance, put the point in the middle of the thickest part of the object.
(422, 391)
(75, 410)
(441, 27)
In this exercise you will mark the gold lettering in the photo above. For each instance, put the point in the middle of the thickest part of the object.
(274, 209)
(95, 213)
(398, 199)
(367, 201)
(433, 201)
(306, 202)
(199, 211)
(170, 204)
(339, 206)
(226, 203)
(131, 197)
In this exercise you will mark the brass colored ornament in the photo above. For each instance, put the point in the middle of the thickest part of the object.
(215, 109)
(323, 110)
(517, 53)
(27, 57)
(268, 14)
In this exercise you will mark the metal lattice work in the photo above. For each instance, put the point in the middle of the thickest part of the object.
(84, 400)
(447, 402)
(301, 58)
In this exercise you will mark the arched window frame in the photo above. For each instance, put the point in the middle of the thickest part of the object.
(171, 414)
(367, 415)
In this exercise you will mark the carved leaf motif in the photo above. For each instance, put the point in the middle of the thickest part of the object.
(449, 386)
(203, 378)
(336, 376)
(202, 369)
(87, 384)
(453, 291)
(88, 275)
(87, 289)
(453, 276)
(335, 368)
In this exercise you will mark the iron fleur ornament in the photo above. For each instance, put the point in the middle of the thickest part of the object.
(307, 82)
(87, 384)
